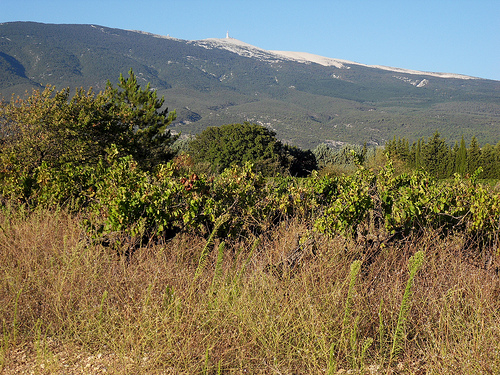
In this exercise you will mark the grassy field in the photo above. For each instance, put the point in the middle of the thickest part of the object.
(70, 307)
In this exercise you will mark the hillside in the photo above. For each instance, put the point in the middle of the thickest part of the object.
(306, 99)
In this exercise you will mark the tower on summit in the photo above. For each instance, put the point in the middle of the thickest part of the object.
(227, 34)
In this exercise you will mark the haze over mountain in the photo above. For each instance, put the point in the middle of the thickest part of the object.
(306, 99)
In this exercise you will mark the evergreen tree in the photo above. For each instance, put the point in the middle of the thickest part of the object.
(403, 150)
(226, 145)
(413, 155)
(141, 117)
(399, 149)
(418, 154)
(461, 158)
(435, 157)
(489, 162)
(454, 157)
(473, 156)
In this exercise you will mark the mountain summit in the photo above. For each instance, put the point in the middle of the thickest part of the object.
(307, 99)
(248, 50)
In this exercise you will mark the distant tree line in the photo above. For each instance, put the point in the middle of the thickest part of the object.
(442, 161)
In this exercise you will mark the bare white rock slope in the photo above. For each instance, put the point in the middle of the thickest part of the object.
(247, 50)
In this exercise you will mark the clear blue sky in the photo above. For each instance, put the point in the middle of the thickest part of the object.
(453, 36)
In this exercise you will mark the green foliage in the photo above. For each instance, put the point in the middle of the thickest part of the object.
(435, 157)
(474, 157)
(140, 119)
(350, 205)
(51, 127)
(298, 162)
(50, 143)
(118, 197)
(132, 201)
(461, 158)
(237, 144)
(442, 161)
(91, 153)
(349, 156)
(414, 202)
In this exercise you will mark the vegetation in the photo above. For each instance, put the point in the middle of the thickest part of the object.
(116, 259)
(241, 143)
(303, 103)
(442, 161)
(238, 143)
(48, 127)
(71, 306)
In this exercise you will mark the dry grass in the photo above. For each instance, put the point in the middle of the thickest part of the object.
(67, 307)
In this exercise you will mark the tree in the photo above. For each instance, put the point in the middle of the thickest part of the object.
(50, 143)
(236, 144)
(489, 162)
(48, 127)
(418, 154)
(231, 144)
(138, 112)
(299, 163)
(461, 158)
(399, 149)
(52, 128)
(435, 157)
(473, 156)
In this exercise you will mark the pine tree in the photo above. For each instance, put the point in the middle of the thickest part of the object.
(473, 156)
(489, 162)
(418, 154)
(140, 115)
(435, 157)
(461, 158)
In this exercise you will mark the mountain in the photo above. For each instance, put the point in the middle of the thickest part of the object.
(306, 99)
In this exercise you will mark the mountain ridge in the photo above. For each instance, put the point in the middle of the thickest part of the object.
(217, 81)
(306, 57)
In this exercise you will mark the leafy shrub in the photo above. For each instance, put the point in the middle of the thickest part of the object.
(49, 142)
(238, 144)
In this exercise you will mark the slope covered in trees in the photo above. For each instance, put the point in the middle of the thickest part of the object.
(305, 104)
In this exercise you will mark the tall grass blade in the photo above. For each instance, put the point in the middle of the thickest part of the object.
(218, 267)
(202, 261)
(414, 265)
(344, 342)
(14, 323)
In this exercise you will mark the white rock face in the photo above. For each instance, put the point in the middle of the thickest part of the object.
(238, 47)
(247, 50)
(305, 57)
(423, 83)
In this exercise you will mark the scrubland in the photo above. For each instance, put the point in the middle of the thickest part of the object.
(255, 304)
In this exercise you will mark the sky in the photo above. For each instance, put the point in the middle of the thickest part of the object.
(451, 36)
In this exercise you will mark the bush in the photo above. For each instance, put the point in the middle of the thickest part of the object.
(238, 144)
(49, 131)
